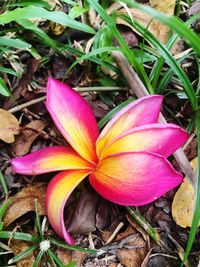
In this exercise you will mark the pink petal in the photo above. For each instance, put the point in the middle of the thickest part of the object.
(161, 139)
(73, 117)
(142, 111)
(134, 178)
(49, 159)
(58, 191)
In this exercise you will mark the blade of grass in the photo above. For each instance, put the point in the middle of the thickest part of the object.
(169, 58)
(196, 216)
(38, 258)
(38, 221)
(4, 185)
(138, 67)
(90, 54)
(62, 48)
(159, 64)
(20, 236)
(110, 114)
(9, 71)
(23, 254)
(145, 225)
(58, 261)
(31, 12)
(168, 75)
(87, 250)
(3, 208)
(172, 22)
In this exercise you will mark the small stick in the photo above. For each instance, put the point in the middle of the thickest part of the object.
(138, 88)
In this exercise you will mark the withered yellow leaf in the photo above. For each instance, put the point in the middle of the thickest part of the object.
(183, 203)
(8, 126)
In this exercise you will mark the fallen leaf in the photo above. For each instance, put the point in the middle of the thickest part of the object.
(24, 202)
(83, 219)
(132, 256)
(18, 247)
(23, 141)
(183, 202)
(67, 256)
(8, 126)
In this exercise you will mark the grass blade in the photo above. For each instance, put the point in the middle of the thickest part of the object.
(4, 185)
(172, 22)
(138, 67)
(110, 114)
(145, 225)
(30, 12)
(87, 250)
(23, 254)
(20, 236)
(196, 216)
(169, 58)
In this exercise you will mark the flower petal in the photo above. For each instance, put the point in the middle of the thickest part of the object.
(58, 191)
(161, 139)
(142, 111)
(49, 159)
(73, 117)
(134, 178)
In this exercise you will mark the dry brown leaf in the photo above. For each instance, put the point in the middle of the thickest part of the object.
(132, 257)
(24, 202)
(183, 202)
(23, 142)
(18, 247)
(67, 256)
(8, 126)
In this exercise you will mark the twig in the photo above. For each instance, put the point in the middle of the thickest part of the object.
(138, 88)
(120, 225)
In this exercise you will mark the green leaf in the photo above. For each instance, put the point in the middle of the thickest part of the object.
(92, 53)
(23, 254)
(110, 114)
(39, 12)
(76, 11)
(4, 89)
(20, 236)
(2, 211)
(5, 188)
(9, 42)
(9, 71)
(138, 67)
(70, 2)
(172, 22)
(40, 3)
(168, 57)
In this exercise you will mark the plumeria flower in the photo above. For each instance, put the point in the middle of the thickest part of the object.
(126, 163)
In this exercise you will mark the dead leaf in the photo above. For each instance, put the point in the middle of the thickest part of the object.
(23, 142)
(67, 256)
(24, 202)
(183, 202)
(135, 256)
(8, 126)
(18, 247)
(83, 220)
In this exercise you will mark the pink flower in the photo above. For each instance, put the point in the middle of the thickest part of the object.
(126, 163)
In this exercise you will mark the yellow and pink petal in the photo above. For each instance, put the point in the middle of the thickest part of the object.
(140, 112)
(163, 139)
(49, 159)
(134, 178)
(58, 191)
(73, 117)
